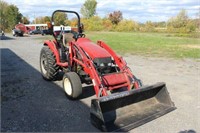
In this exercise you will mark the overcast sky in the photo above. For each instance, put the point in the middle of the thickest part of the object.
(138, 10)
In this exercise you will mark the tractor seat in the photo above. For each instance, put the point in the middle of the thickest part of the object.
(67, 38)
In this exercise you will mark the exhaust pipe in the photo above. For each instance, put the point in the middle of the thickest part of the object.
(129, 109)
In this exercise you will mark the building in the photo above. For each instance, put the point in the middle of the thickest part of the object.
(36, 26)
(30, 27)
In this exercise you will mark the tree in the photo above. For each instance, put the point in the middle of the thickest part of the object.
(3, 18)
(88, 9)
(181, 23)
(107, 24)
(115, 17)
(60, 18)
(178, 21)
(25, 20)
(149, 26)
(127, 25)
(38, 20)
(42, 20)
(182, 19)
(73, 22)
(47, 19)
(13, 16)
(93, 24)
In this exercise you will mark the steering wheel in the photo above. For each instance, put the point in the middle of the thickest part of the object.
(79, 35)
(69, 36)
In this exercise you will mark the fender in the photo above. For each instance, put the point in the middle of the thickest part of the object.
(52, 46)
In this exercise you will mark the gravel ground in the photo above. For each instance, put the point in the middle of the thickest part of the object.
(31, 104)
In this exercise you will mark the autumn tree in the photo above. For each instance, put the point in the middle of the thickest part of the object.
(42, 20)
(149, 26)
(181, 23)
(180, 20)
(88, 9)
(60, 18)
(47, 19)
(127, 25)
(38, 20)
(73, 22)
(115, 17)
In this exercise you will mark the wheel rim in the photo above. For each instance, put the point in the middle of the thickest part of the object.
(43, 64)
(67, 86)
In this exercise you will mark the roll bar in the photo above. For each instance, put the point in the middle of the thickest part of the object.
(79, 23)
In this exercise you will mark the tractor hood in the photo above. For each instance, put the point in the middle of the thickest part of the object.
(92, 49)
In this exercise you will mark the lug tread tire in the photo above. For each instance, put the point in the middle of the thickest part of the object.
(51, 68)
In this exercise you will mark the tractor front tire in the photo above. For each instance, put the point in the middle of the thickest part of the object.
(48, 66)
(72, 85)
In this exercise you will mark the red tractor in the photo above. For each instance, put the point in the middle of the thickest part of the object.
(121, 103)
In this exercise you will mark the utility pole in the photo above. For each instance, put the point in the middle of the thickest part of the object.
(34, 18)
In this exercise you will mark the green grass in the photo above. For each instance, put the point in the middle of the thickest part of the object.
(149, 44)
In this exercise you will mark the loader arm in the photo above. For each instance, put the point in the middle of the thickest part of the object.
(88, 67)
(120, 62)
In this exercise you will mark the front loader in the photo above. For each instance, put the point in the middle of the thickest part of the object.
(121, 102)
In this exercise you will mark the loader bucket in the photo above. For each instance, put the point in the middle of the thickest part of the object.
(129, 109)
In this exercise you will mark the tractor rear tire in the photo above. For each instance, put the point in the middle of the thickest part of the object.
(72, 85)
(48, 66)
